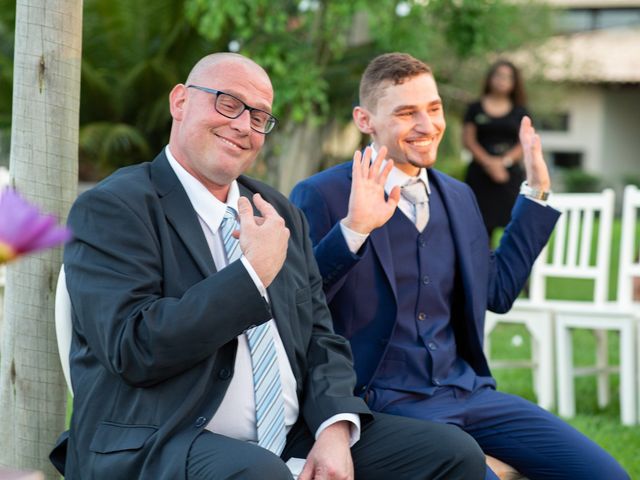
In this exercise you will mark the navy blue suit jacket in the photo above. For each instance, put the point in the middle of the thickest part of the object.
(361, 288)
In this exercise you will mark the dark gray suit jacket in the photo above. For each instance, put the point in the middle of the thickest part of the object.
(155, 325)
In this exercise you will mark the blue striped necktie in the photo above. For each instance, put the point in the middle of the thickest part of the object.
(264, 362)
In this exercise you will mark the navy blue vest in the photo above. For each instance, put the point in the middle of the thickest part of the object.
(421, 355)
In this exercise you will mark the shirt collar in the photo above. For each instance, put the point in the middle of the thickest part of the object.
(398, 177)
(207, 206)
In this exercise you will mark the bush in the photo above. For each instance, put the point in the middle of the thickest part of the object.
(579, 181)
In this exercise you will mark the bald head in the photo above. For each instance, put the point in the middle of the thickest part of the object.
(207, 64)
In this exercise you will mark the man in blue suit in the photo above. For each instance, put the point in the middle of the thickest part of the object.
(408, 276)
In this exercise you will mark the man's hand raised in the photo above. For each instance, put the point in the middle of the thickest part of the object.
(263, 240)
(368, 209)
(534, 164)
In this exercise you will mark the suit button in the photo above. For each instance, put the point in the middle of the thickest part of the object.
(224, 373)
(201, 422)
(364, 388)
(436, 381)
(422, 316)
(432, 346)
(426, 280)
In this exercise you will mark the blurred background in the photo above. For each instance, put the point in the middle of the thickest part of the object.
(580, 58)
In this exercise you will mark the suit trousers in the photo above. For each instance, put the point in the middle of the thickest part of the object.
(389, 447)
(530, 439)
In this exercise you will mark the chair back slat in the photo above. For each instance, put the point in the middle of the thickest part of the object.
(580, 245)
(575, 219)
(587, 232)
(629, 245)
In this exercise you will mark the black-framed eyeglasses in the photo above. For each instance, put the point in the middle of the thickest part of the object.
(232, 107)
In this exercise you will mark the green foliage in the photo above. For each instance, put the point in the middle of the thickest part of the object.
(7, 26)
(577, 180)
(134, 52)
(315, 51)
(631, 179)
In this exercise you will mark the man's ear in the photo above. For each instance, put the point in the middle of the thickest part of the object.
(177, 100)
(362, 119)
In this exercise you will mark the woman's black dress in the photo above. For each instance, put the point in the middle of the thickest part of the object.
(497, 135)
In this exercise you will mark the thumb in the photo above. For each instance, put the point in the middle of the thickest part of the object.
(394, 196)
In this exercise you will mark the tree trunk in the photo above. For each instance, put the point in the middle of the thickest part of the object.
(44, 169)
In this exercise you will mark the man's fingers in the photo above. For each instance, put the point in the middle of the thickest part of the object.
(375, 168)
(384, 174)
(264, 207)
(355, 167)
(526, 132)
(245, 214)
(244, 207)
(366, 162)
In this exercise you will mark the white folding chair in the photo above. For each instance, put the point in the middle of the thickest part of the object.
(567, 255)
(629, 267)
(63, 325)
(598, 315)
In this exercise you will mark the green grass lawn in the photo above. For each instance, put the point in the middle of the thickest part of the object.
(602, 426)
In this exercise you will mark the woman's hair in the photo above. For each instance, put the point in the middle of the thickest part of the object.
(517, 95)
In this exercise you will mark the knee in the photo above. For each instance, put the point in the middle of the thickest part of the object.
(263, 466)
(460, 455)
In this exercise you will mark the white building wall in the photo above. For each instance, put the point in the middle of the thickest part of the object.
(620, 149)
(585, 106)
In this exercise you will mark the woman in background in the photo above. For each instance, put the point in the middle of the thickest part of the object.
(490, 133)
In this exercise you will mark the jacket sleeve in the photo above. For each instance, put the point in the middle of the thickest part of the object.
(524, 238)
(330, 248)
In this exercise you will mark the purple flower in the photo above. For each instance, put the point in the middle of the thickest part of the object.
(24, 229)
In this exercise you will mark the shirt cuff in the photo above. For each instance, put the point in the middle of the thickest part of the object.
(254, 276)
(354, 240)
(353, 418)
(544, 203)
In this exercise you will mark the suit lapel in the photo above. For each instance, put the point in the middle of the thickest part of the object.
(453, 200)
(180, 213)
(381, 246)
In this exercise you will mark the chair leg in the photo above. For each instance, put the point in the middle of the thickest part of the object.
(627, 375)
(564, 364)
(542, 353)
(602, 362)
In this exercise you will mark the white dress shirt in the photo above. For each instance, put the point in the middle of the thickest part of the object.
(236, 415)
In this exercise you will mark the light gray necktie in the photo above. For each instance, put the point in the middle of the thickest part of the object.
(416, 193)
(264, 361)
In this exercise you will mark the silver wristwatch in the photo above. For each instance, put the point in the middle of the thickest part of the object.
(534, 193)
